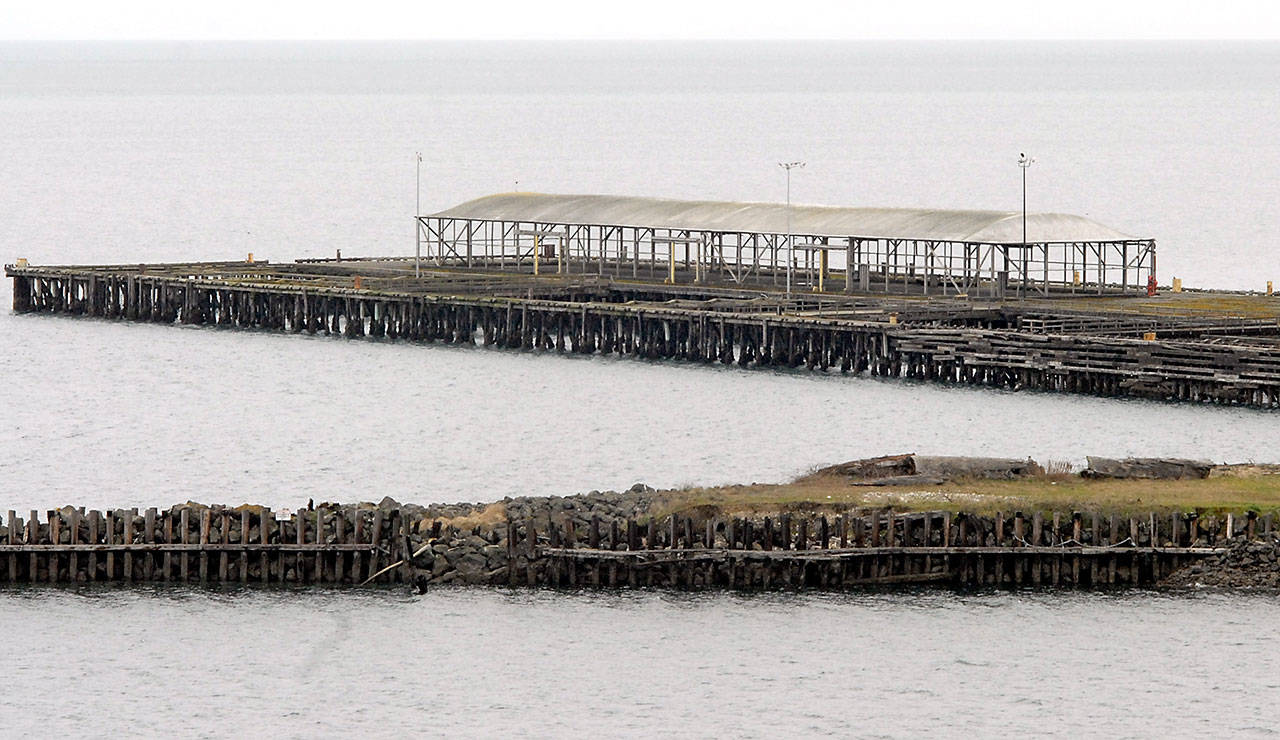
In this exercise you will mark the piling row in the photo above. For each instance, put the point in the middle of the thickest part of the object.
(1079, 549)
(1109, 366)
(199, 544)
(362, 544)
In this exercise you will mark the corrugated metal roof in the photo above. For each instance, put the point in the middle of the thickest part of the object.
(987, 227)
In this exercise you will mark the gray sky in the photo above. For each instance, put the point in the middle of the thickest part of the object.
(565, 19)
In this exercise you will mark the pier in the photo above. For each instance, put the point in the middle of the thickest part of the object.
(687, 297)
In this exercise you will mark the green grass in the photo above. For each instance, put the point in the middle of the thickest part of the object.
(1063, 493)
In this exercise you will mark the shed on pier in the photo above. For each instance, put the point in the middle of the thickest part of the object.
(908, 250)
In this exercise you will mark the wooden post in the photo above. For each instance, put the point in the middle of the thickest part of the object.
(1077, 534)
(1096, 541)
(531, 547)
(1113, 526)
(149, 537)
(300, 525)
(1055, 538)
(109, 540)
(265, 521)
(225, 536)
(168, 540)
(318, 577)
(206, 517)
(1133, 560)
(73, 561)
(185, 525)
(243, 561)
(1153, 541)
(375, 535)
(128, 517)
(13, 540)
(51, 560)
(341, 573)
(406, 526)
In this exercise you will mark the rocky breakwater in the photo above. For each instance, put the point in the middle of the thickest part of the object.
(1243, 564)
(470, 543)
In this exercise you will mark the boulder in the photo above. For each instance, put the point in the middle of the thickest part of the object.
(888, 466)
(1159, 468)
(916, 469)
(952, 467)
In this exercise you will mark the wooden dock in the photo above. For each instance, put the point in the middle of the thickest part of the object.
(1219, 348)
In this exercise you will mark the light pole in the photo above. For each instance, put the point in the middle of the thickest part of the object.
(790, 252)
(417, 214)
(1024, 162)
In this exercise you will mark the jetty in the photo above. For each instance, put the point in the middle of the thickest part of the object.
(966, 297)
(685, 539)
(360, 545)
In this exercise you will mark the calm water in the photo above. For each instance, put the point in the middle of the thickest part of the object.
(121, 153)
(479, 663)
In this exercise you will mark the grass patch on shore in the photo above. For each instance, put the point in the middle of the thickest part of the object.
(1047, 493)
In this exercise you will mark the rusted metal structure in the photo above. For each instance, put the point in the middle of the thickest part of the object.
(832, 249)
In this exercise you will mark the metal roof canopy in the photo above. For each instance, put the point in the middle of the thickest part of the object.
(974, 227)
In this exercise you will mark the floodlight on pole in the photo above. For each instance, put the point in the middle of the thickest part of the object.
(417, 214)
(788, 166)
(1024, 162)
